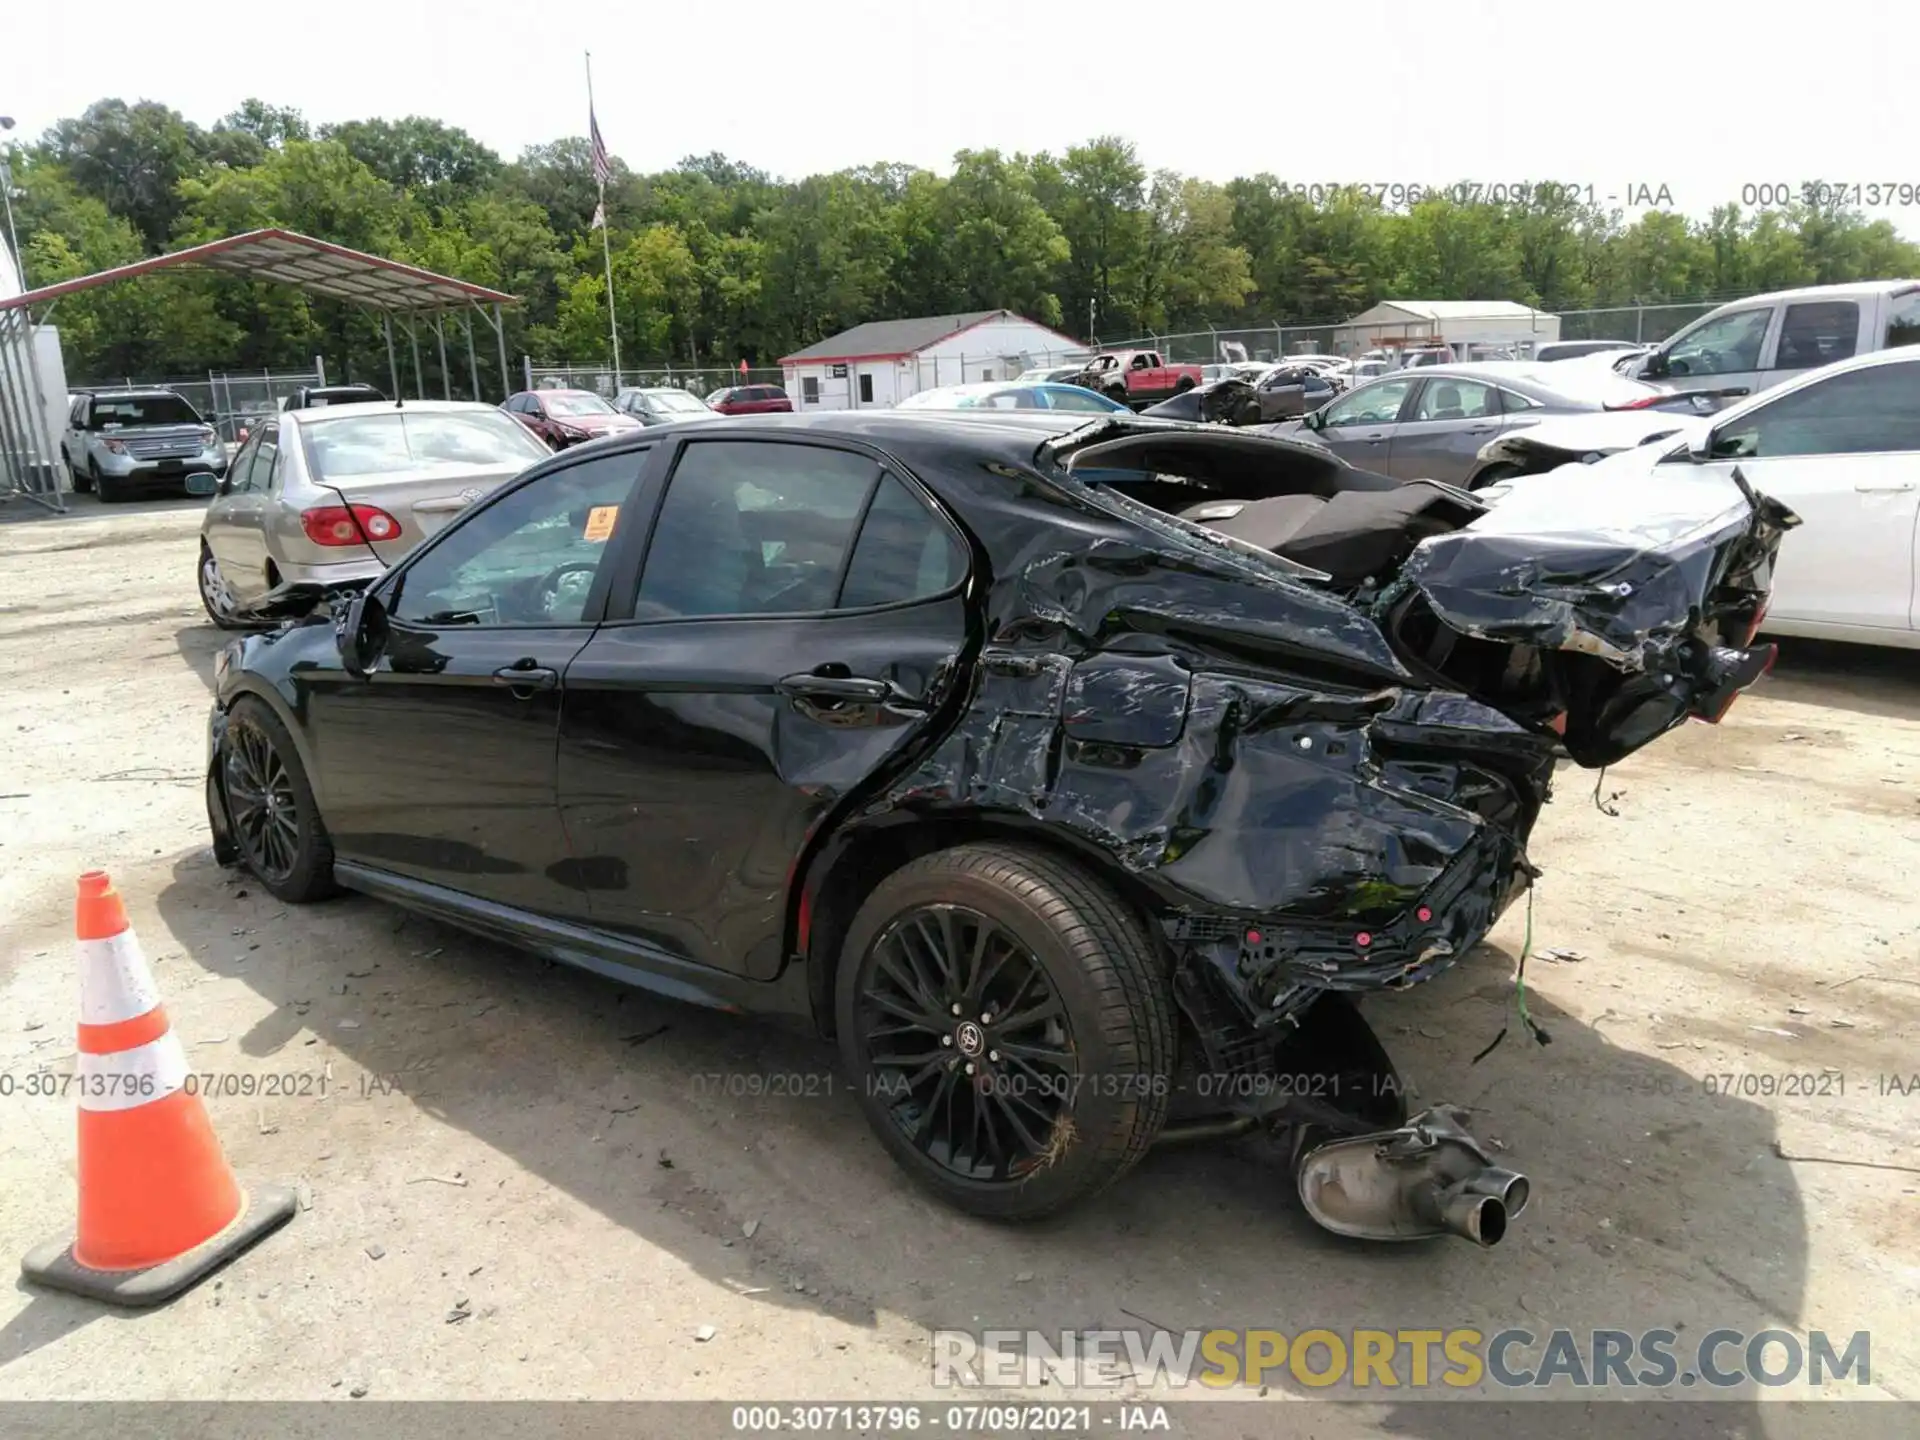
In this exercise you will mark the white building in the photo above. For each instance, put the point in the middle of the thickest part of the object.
(884, 361)
(1460, 324)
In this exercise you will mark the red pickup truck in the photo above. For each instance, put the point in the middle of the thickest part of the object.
(1136, 377)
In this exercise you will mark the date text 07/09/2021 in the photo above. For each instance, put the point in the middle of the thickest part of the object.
(1637, 194)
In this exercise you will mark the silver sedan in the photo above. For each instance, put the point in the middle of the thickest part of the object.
(1431, 423)
(341, 493)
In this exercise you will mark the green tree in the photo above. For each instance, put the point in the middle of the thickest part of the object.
(441, 163)
(1006, 247)
(133, 158)
(1099, 200)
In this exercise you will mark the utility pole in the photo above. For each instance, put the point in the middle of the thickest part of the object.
(600, 169)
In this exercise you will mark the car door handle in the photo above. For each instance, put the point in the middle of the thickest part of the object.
(1478, 429)
(1899, 487)
(525, 678)
(853, 688)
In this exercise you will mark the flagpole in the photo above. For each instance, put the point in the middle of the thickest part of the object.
(606, 245)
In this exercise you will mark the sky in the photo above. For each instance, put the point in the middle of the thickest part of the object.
(1692, 104)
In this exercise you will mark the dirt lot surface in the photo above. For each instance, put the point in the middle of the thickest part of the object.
(527, 1182)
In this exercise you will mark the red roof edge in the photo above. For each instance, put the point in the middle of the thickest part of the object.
(785, 360)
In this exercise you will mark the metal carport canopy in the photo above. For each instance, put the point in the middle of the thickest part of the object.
(322, 268)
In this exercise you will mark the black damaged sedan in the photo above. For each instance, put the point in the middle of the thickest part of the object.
(1071, 779)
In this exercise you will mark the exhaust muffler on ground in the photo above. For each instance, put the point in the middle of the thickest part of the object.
(1429, 1177)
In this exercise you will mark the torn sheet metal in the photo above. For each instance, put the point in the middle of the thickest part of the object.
(1622, 569)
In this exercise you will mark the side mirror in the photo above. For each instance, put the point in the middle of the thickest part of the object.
(1700, 447)
(204, 482)
(361, 634)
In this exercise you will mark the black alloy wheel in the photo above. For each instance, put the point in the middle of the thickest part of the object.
(270, 806)
(1010, 1025)
(979, 1084)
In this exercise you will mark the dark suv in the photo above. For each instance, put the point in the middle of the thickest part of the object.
(750, 400)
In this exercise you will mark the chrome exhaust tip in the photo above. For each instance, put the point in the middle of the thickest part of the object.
(1428, 1178)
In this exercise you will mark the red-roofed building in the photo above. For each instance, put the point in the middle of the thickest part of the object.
(884, 361)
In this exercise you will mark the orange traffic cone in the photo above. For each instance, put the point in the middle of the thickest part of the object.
(159, 1209)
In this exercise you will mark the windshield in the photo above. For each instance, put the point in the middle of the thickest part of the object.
(115, 410)
(365, 445)
(951, 397)
(677, 401)
(575, 402)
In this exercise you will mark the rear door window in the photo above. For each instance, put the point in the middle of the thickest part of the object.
(753, 527)
(905, 552)
(1448, 399)
(1817, 333)
(1903, 319)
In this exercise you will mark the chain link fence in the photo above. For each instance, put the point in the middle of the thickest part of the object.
(1641, 324)
(230, 401)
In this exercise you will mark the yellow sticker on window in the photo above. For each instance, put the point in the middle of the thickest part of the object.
(600, 521)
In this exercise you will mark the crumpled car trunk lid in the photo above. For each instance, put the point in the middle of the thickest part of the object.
(1610, 612)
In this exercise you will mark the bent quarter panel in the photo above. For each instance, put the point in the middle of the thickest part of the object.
(689, 784)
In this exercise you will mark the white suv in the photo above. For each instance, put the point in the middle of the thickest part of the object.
(1757, 343)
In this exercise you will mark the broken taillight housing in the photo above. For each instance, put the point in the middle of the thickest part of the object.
(1731, 672)
(336, 525)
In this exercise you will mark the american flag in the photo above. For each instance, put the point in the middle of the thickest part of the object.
(602, 166)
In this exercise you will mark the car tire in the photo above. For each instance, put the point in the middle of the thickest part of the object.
(208, 576)
(1060, 1106)
(284, 843)
(108, 488)
(76, 482)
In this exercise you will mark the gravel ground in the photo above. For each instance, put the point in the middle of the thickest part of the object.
(525, 1182)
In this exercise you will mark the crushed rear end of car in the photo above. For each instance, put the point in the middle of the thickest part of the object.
(1316, 736)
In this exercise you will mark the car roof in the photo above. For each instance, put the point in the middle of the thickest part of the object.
(138, 392)
(1823, 292)
(1011, 435)
(321, 413)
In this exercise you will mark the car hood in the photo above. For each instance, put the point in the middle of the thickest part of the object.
(172, 430)
(597, 424)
